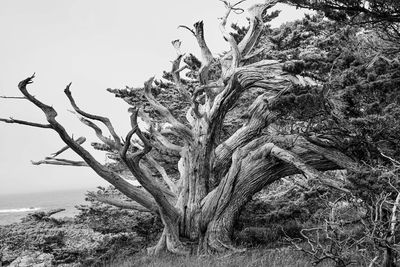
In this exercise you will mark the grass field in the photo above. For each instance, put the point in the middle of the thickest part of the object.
(251, 258)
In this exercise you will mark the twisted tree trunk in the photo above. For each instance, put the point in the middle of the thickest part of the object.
(216, 178)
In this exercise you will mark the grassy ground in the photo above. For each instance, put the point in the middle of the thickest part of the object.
(258, 257)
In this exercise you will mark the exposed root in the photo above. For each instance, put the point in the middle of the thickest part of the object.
(159, 247)
(168, 243)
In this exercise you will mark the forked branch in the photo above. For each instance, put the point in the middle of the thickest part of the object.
(104, 120)
(137, 156)
(143, 177)
(121, 184)
(206, 55)
(256, 26)
(234, 55)
(99, 133)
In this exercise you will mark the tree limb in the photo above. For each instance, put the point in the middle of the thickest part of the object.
(117, 202)
(164, 141)
(171, 184)
(256, 167)
(206, 56)
(176, 70)
(309, 171)
(28, 123)
(255, 28)
(231, 61)
(158, 135)
(63, 162)
(260, 118)
(80, 141)
(132, 162)
(12, 97)
(99, 133)
(104, 120)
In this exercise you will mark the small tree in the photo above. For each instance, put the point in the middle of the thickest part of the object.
(219, 169)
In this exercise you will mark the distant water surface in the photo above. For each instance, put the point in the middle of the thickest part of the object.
(16, 206)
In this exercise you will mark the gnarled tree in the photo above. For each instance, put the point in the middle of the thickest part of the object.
(220, 165)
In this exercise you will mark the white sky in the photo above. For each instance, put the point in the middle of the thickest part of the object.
(94, 44)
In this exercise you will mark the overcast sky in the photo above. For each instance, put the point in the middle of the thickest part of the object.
(95, 45)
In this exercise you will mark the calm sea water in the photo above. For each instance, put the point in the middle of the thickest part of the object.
(15, 207)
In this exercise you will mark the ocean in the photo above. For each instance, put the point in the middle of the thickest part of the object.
(16, 206)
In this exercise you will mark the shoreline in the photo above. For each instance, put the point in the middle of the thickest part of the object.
(14, 207)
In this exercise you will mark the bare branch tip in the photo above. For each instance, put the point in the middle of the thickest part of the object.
(26, 81)
(67, 89)
(187, 28)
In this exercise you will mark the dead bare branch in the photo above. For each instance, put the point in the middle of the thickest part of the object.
(117, 202)
(256, 26)
(231, 60)
(187, 28)
(176, 70)
(61, 162)
(206, 54)
(80, 141)
(104, 120)
(27, 123)
(12, 97)
(121, 184)
(99, 133)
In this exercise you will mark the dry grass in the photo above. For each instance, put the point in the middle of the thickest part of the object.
(252, 258)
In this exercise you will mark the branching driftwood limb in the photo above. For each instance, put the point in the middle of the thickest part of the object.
(104, 120)
(121, 184)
